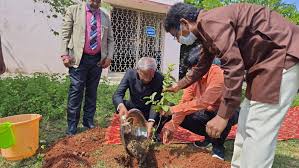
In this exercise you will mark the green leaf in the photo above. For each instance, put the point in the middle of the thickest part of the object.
(165, 108)
(153, 96)
(146, 97)
(157, 108)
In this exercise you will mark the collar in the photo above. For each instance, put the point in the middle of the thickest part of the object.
(205, 76)
(88, 9)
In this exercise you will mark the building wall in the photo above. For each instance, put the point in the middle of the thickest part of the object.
(171, 46)
(171, 54)
(168, 2)
(29, 46)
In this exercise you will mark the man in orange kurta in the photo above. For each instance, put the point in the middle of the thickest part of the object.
(198, 105)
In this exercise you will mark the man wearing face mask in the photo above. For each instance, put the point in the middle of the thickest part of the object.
(141, 82)
(87, 47)
(250, 40)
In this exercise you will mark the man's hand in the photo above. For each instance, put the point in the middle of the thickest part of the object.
(174, 88)
(105, 63)
(216, 126)
(165, 113)
(67, 60)
(167, 136)
(150, 126)
(122, 110)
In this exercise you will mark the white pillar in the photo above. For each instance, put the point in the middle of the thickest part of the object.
(171, 54)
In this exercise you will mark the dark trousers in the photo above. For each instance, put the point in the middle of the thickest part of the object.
(197, 122)
(84, 78)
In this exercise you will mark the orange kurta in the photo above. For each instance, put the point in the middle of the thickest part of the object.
(204, 94)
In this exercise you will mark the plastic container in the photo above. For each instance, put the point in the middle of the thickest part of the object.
(26, 131)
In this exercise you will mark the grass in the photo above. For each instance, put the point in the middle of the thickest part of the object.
(100, 164)
(286, 154)
(26, 91)
(47, 95)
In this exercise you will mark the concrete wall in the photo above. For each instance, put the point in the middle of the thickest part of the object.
(27, 43)
(171, 54)
(168, 2)
(159, 6)
(171, 46)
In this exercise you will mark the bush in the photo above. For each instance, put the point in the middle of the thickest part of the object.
(42, 94)
(47, 95)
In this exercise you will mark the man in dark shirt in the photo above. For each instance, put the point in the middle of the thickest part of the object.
(141, 82)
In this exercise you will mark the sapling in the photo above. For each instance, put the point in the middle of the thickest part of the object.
(167, 98)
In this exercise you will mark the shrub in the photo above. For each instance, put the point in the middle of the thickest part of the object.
(47, 95)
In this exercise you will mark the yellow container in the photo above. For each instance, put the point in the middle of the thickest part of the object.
(26, 130)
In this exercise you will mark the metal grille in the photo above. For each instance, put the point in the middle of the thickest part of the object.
(131, 39)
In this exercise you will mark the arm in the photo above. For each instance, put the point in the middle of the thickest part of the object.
(121, 91)
(188, 94)
(231, 63)
(110, 41)
(212, 94)
(66, 32)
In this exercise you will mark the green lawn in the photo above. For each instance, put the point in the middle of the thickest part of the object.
(47, 95)
(287, 153)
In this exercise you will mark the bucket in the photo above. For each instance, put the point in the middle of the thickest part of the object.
(7, 138)
(25, 128)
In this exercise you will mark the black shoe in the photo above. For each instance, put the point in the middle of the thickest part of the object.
(205, 144)
(69, 133)
(71, 130)
(89, 125)
(218, 152)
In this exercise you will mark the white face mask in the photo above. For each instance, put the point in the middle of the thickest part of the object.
(188, 40)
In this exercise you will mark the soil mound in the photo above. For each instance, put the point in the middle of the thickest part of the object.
(88, 149)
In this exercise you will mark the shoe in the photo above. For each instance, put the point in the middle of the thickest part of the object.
(203, 145)
(69, 133)
(71, 130)
(218, 152)
(89, 125)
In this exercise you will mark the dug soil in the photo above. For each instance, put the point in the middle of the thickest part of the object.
(88, 149)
